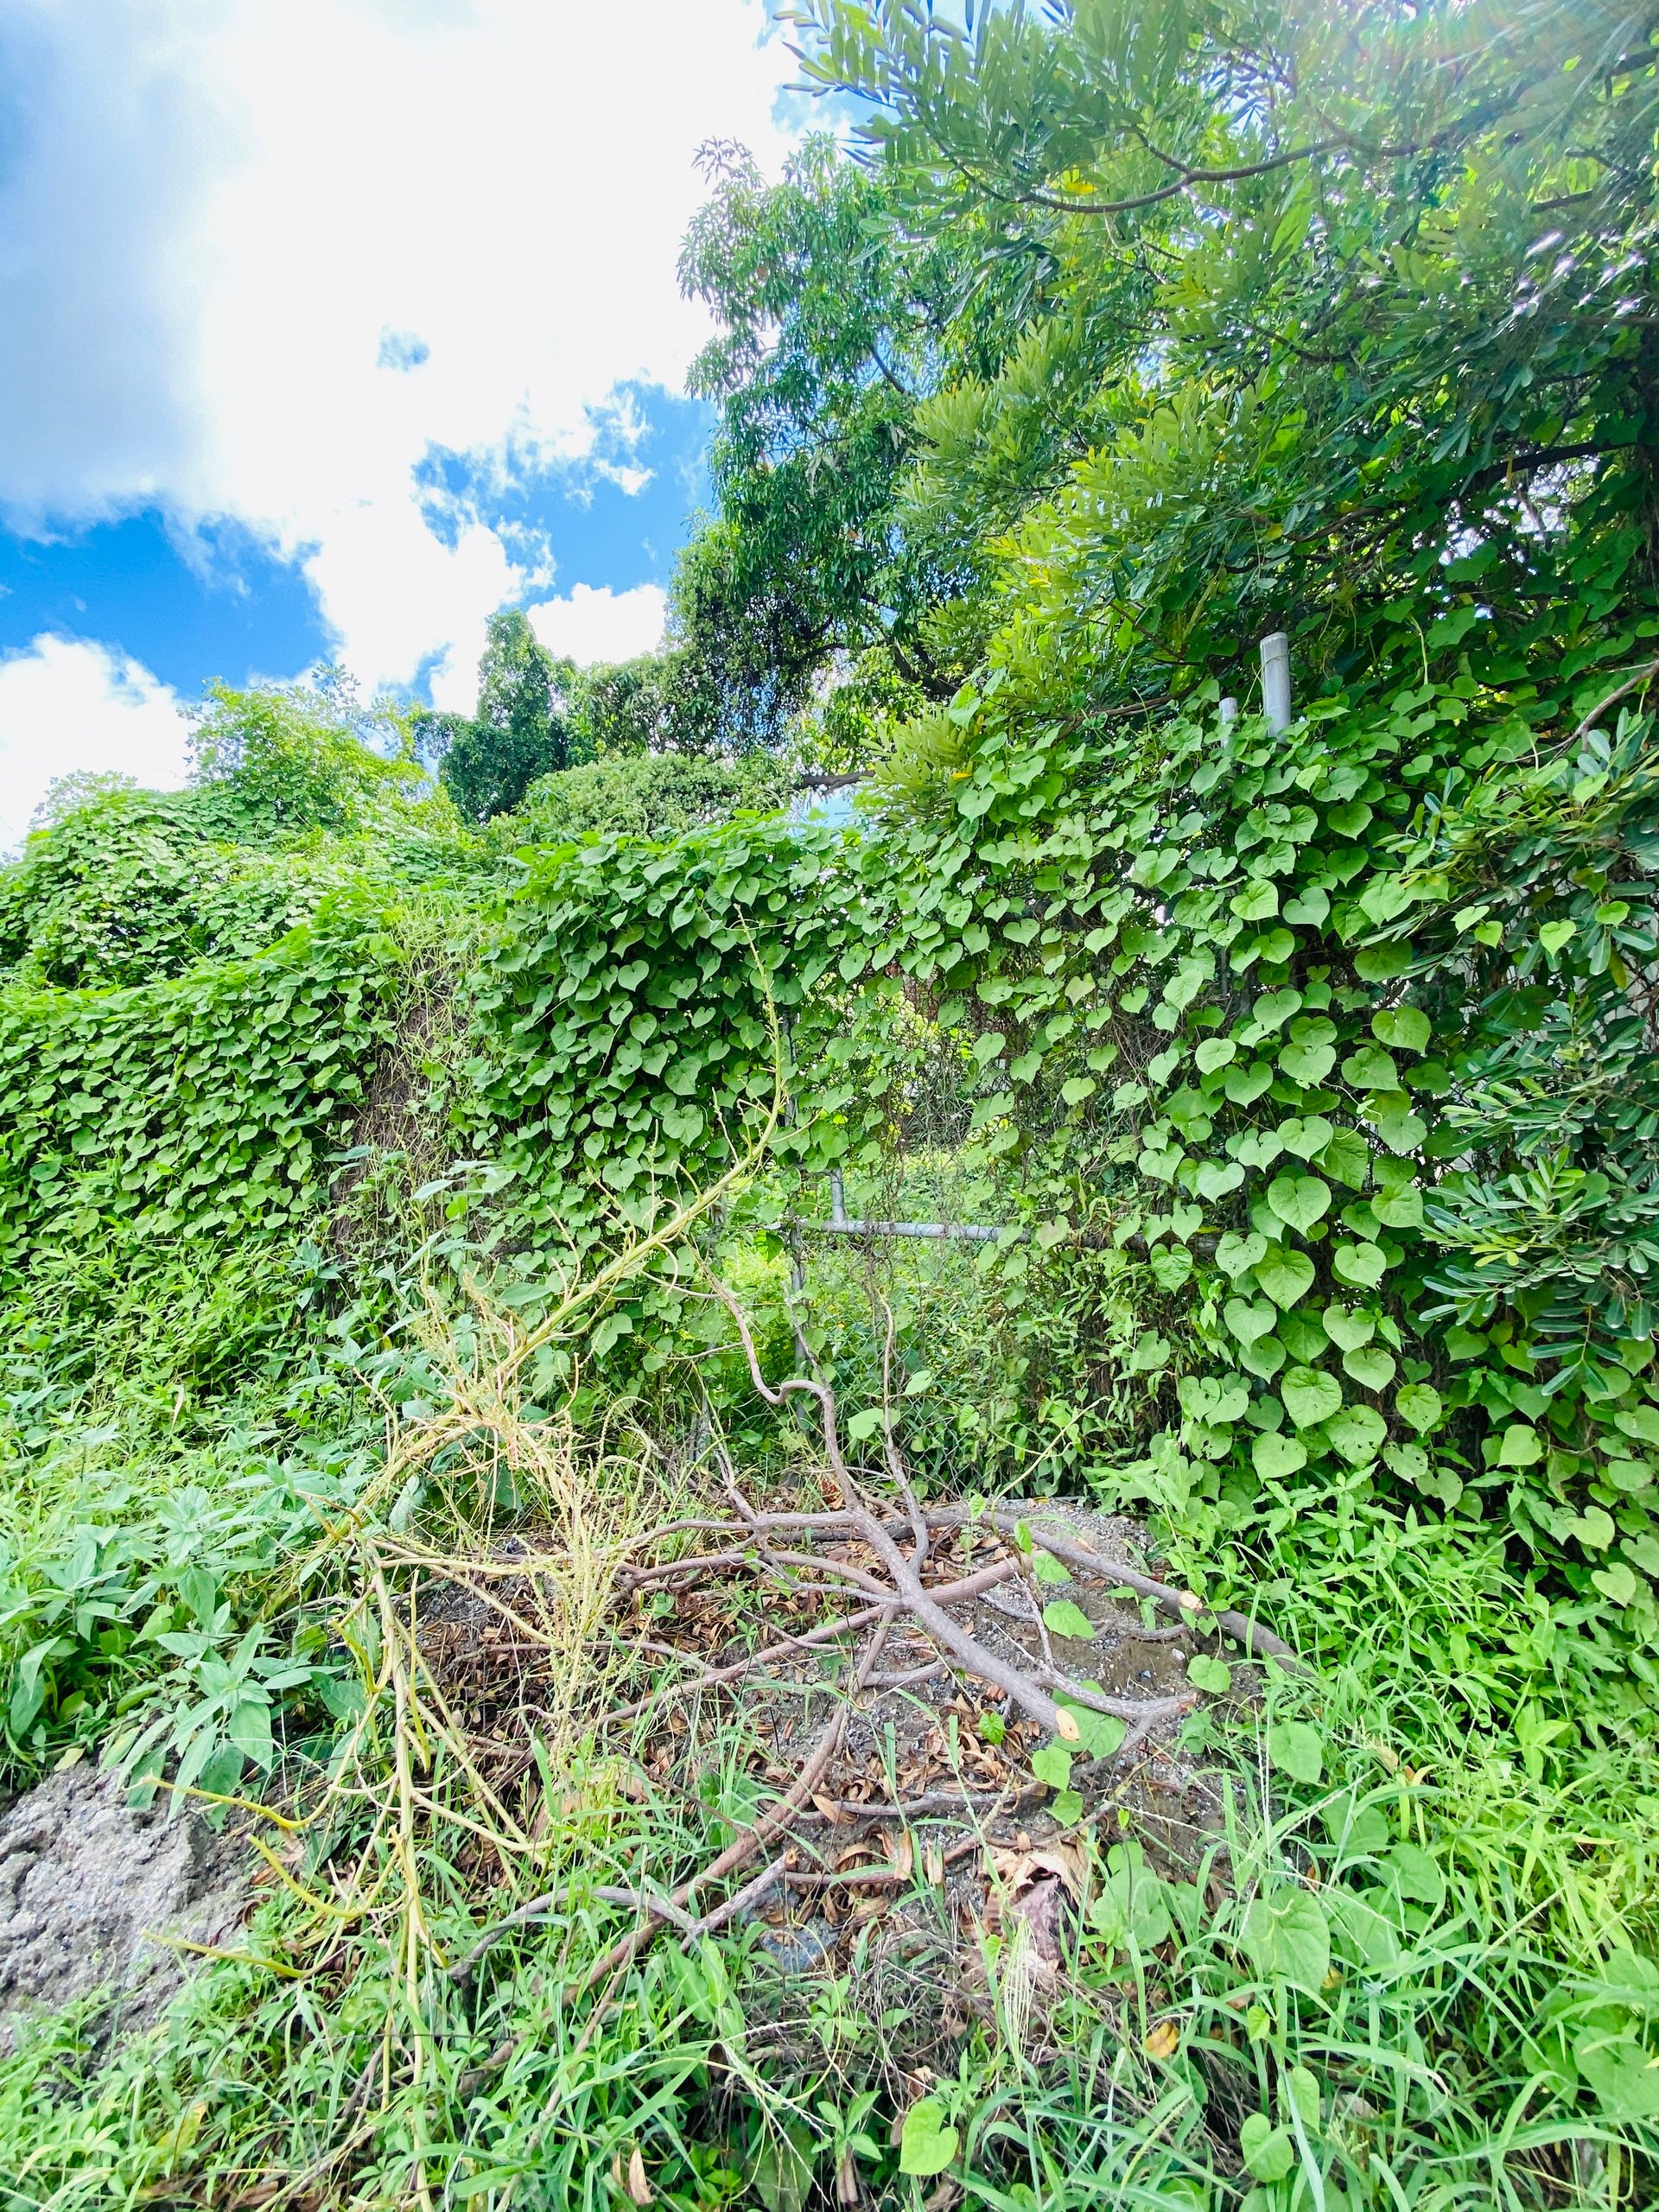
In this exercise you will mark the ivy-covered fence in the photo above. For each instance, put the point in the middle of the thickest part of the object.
(1341, 1032)
(212, 1101)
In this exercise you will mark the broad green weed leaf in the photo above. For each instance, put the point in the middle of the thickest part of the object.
(1062, 1617)
(1268, 2152)
(927, 2142)
(1346, 1329)
(1299, 1201)
(1287, 1935)
(1293, 1747)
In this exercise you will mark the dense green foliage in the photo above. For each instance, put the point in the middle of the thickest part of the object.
(1306, 1076)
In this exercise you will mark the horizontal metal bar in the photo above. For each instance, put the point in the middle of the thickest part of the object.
(974, 1232)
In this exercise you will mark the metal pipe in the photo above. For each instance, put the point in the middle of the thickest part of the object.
(1229, 713)
(839, 1226)
(1275, 680)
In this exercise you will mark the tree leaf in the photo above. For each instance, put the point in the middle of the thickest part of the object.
(1205, 1671)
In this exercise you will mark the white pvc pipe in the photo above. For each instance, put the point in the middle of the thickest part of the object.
(1275, 680)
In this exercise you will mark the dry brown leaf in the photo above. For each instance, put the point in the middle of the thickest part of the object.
(1015, 1868)
(640, 2189)
(847, 2190)
(901, 1851)
(933, 1865)
(1164, 2041)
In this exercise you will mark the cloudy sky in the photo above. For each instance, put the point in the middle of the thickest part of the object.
(332, 326)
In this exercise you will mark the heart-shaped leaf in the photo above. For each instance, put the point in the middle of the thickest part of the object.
(1523, 1446)
(1348, 1158)
(1299, 1200)
(1265, 1357)
(927, 2142)
(1409, 1462)
(1285, 1276)
(1077, 1087)
(1420, 1404)
(1214, 1052)
(1308, 907)
(1184, 1219)
(1360, 1266)
(1248, 1318)
(1064, 1618)
(1370, 1068)
(1347, 1329)
(1294, 1748)
(1273, 1008)
(1051, 1764)
(1304, 1138)
(1268, 2152)
(1308, 1063)
(1244, 1085)
(1555, 935)
(1372, 1367)
(1348, 820)
(1400, 1208)
(1391, 1116)
(1216, 1178)
(1234, 1254)
(1309, 1396)
(1207, 1673)
(1357, 1431)
(1257, 1147)
(1255, 902)
(1275, 1457)
(1405, 1027)
(1286, 1934)
(1616, 1582)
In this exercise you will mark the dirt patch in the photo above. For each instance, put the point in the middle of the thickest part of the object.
(927, 1827)
(87, 1884)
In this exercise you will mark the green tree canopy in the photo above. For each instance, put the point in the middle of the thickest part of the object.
(523, 728)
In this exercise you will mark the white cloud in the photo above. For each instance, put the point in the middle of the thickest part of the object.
(216, 211)
(67, 705)
(587, 626)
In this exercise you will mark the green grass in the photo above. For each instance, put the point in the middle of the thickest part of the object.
(1422, 1977)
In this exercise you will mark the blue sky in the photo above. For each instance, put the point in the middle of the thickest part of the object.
(219, 601)
(331, 328)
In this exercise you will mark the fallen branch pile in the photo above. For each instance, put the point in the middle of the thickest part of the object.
(907, 1582)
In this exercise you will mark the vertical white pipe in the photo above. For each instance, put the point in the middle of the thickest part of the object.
(1275, 680)
(1229, 713)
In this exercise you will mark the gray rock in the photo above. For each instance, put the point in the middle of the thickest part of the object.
(87, 1884)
